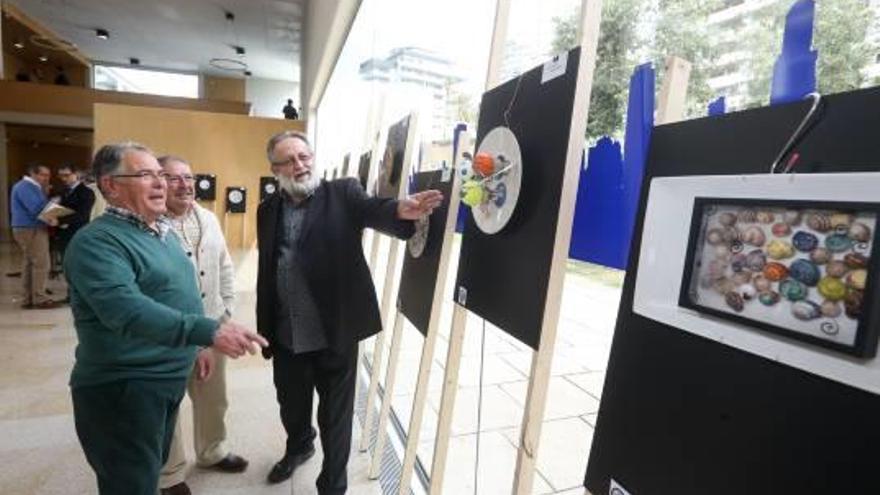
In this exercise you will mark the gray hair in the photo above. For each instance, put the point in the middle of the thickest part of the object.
(281, 136)
(164, 160)
(108, 159)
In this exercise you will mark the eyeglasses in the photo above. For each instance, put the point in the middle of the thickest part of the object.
(301, 158)
(179, 179)
(143, 175)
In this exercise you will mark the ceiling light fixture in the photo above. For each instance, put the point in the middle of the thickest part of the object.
(239, 50)
(18, 44)
(229, 64)
(102, 33)
(248, 73)
(43, 58)
(134, 61)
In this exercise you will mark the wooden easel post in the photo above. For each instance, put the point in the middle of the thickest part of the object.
(421, 393)
(390, 375)
(536, 398)
(459, 313)
(387, 289)
(673, 93)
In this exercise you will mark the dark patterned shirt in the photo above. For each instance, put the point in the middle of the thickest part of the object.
(162, 224)
(299, 322)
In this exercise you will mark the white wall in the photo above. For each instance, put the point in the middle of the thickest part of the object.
(268, 96)
(326, 27)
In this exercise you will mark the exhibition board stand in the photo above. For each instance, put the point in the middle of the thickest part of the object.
(391, 182)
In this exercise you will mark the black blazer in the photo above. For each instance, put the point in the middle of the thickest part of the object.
(80, 199)
(332, 258)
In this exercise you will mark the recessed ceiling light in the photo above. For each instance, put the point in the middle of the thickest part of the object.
(239, 50)
(102, 34)
(18, 44)
(134, 61)
(248, 73)
(43, 58)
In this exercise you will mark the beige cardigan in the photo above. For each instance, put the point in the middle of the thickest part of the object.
(214, 269)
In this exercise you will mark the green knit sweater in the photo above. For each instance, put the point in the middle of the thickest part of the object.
(137, 310)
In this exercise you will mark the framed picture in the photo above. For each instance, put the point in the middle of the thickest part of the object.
(206, 187)
(803, 269)
(391, 168)
(236, 199)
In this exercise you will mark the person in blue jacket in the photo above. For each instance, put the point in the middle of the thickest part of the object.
(27, 200)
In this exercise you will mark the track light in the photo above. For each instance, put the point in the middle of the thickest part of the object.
(134, 61)
(43, 58)
(18, 44)
(102, 34)
(239, 50)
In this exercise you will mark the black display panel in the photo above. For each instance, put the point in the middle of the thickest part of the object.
(422, 253)
(206, 187)
(503, 277)
(236, 199)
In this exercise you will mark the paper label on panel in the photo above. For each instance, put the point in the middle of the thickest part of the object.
(554, 68)
(617, 489)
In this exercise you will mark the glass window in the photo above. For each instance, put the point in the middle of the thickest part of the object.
(112, 78)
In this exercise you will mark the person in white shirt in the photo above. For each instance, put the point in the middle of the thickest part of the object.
(203, 241)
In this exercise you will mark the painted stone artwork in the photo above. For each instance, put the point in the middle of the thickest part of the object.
(803, 270)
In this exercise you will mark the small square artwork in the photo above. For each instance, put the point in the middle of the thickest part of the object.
(797, 268)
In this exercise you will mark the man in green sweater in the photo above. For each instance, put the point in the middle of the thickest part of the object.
(139, 319)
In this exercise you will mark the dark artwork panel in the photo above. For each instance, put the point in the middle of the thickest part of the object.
(268, 186)
(364, 168)
(802, 269)
(421, 260)
(388, 183)
(504, 277)
(345, 164)
(236, 199)
(685, 415)
(206, 187)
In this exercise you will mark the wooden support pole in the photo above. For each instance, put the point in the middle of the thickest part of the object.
(420, 399)
(673, 93)
(536, 396)
(387, 289)
(388, 393)
(496, 49)
(447, 400)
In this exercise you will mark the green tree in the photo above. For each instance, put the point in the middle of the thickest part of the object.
(614, 63)
(840, 32)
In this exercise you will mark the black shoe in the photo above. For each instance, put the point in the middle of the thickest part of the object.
(283, 469)
(230, 464)
(178, 489)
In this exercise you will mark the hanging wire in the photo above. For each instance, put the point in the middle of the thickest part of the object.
(798, 133)
(512, 100)
(480, 407)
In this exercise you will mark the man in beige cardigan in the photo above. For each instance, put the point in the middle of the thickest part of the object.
(203, 241)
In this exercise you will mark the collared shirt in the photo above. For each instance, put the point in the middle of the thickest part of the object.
(299, 321)
(162, 225)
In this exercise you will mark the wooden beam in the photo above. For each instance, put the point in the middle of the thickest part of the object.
(536, 398)
(672, 102)
(421, 392)
(496, 50)
(388, 393)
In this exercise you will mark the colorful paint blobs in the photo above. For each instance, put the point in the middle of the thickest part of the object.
(856, 279)
(792, 289)
(727, 219)
(734, 300)
(804, 271)
(765, 217)
(836, 269)
(832, 288)
(762, 284)
(775, 271)
(779, 250)
(806, 310)
(820, 256)
(756, 260)
(754, 235)
(484, 164)
(792, 218)
(830, 309)
(855, 261)
(747, 216)
(769, 298)
(852, 304)
(804, 241)
(819, 222)
(838, 243)
(780, 229)
(859, 232)
(472, 193)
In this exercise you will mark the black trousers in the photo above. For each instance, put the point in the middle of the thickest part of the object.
(125, 430)
(333, 375)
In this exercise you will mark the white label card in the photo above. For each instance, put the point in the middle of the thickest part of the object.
(554, 68)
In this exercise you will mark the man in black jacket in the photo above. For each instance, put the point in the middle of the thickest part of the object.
(316, 299)
(78, 197)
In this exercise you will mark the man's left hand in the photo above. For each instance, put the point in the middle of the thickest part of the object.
(204, 364)
(419, 204)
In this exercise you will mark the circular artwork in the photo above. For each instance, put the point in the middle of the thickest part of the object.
(235, 197)
(417, 243)
(501, 179)
(204, 184)
(270, 188)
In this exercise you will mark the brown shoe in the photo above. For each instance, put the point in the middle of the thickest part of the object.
(178, 489)
(46, 305)
(230, 464)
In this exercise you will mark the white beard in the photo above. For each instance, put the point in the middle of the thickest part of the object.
(298, 190)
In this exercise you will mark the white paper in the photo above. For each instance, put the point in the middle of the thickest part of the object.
(554, 68)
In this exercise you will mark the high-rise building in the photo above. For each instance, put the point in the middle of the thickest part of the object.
(419, 78)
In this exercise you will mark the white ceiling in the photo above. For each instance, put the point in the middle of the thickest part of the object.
(181, 35)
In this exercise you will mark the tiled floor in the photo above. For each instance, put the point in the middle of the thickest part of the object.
(39, 453)
(589, 308)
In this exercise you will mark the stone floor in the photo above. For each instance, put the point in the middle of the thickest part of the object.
(40, 454)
